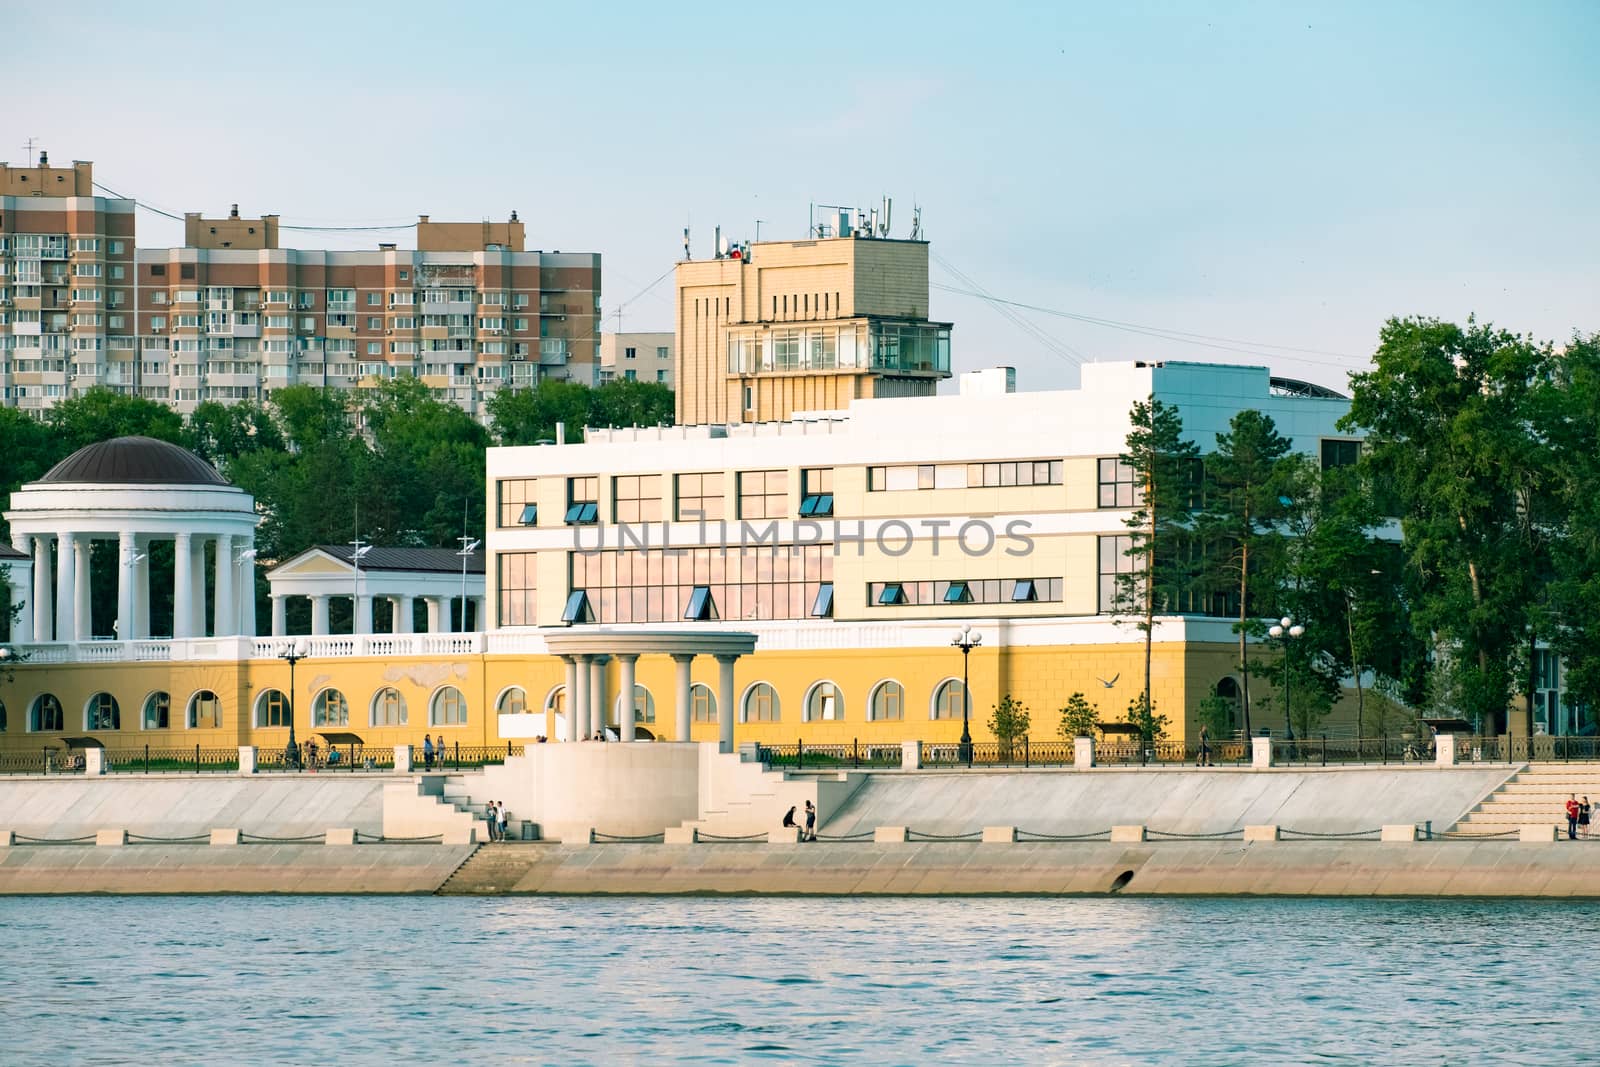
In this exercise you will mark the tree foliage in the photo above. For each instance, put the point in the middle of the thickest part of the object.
(1079, 718)
(529, 416)
(1009, 720)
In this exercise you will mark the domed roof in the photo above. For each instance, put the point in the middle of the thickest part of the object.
(134, 461)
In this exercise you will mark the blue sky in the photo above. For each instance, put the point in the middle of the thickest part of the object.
(1288, 175)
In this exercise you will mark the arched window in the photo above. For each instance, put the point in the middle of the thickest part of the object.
(824, 703)
(388, 708)
(644, 705)
(205, 711)
(761, 703)
(102, 713)
(272, 708)
(330, 709)
(888, 702)
(157, 711)
(449, 707)
(947, 700)
(513, 701)
(45, 715)
(702, 703)
(556, 700)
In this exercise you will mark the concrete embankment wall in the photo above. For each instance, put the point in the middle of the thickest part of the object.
(259, 868)
(185, 805)
(1213, 800)
(1341, 868)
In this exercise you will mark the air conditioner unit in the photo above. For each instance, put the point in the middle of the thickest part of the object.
(519, 359)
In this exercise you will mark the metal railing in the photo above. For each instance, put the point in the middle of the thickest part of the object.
(147, 760)
(352, 757)
(462, 757)
(42, 760)
(800, 755)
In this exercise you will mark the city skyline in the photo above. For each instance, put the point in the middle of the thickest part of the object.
(1288, 177)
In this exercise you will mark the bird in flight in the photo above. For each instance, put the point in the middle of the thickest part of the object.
(1112, 682)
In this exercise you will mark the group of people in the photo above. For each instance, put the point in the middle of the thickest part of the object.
(430, 750)
(496, 815)
(809, 833)
(1578, 812)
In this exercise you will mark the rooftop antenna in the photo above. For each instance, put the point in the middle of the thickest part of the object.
(758, 229)
(888, 207)
(358, 549)
(469, 545)
(28, 144)
(916, 222)
(686, 243)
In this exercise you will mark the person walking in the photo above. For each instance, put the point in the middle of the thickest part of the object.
(490, 818)
(438, 747)
(500, 813)
(1205, 746)
(1583, 817)
(427, 753)
(1572, 817)
(811, 823)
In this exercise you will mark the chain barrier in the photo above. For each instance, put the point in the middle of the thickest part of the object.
(918, 835)
(703, 836)
(626, 839)
(864, 835)
(380, 839)
(190, 840)
(54, 840)
(1351, 835)
(263, 839)
(1221, 835)
(1030, 835)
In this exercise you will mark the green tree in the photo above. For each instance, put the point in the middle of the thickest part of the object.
(426, 462)
(1447, 415)
(1163, 466)
(221, 432)
(1009, 723)
(1241, 523)
(1216, 715)
(1570, 397)
(1152, 726)
(529, 416)
(625, 403)
(30, 448)
(1079, 718)
(99, 414)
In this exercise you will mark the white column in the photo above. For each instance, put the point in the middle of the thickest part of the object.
(197, 603)
(127, 548)
(404, 613)
(82, 614)
(43, 617)
(66, 597)
(319, 614)
(22, 595)
(182, 588)
(682, 705)
(247, 590)
(599, 713)
(224, 621)
(578, 701)
(280, 615)
(433, 613)
(141, 588)
(362, 606)
(480, 613)
(625, 684)
(569, 731)
(727, 701)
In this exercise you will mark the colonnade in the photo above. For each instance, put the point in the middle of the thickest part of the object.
(403, 616)
(64, 560)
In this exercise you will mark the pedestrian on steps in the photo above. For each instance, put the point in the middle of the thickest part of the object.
(1572, 817)
(427, 753)
(500, 813)
(1583, 817)
(811, 823)
(490, 818)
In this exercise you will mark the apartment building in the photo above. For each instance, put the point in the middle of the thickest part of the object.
(66, 285)
(768, 329)
(232, 315)
(637, 357)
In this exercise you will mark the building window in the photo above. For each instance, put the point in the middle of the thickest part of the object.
(763, 494)
(661, 376)
(822, 607)
(45, 716)
(577, 608)
(702, 704)
(516, 588)
(1024, 590)
(583, 501)
(957, 593)
(761, 703)
(272, 709)
(702, 608)
(644, 705)
(630, 353)
(658, 585)
(330, 709)
(556, 701)
(449, 707)
(158, 711)
(1118, 487)
(636, 498)
(388, 708)
(205, 711)
(916, 476)
(513, 701)
(1015, 472)
(889, 593)
(888, 702)
(699, 497)
(1340, 453)
(515, 497)
(662, 352)
(948, 700)
(103, 713)
(816, 492)
(1114, 561)
(824, 703)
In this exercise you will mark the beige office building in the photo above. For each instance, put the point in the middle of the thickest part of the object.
(637, 357)
(776, 327)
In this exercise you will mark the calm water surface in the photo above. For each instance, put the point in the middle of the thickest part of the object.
(626, 980)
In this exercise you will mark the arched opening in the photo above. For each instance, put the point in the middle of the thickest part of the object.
(448, 707)
(330, 709)
(388, 707)
(514, 701)
(949, 699)
(272, 708)
(761, 703)
(102, 713)
(644, 705)
(824, 703)
(702, 703)
(888, 702)
(45, 715)
(205, 711)
(156, 711)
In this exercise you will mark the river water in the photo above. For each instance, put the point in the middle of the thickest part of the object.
(229, 980)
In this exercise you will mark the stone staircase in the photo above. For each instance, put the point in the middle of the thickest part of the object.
(424, 806)
(740, 797)
(493, 869)
(1535, 796)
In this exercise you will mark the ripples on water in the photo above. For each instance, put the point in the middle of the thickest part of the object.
(625, 980)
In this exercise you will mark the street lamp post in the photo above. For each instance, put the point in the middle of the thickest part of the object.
(468, 547)
(966, 640)
(1285, 629)
(292, 653)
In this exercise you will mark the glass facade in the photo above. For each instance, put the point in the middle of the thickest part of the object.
(655, 585)
(962, 591)
(699, 497)
(514, 586)
(896, 348)
(515, 497)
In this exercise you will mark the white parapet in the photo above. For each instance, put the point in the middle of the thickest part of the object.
(679, 835)
(224, 836)
(1261, 833)
(1082, 753)
(247, 759)
(1127, 834)
(1538, 835)
(890, 835)
(1398, 832)
(339, 836)
(911, 755)
(402, 759)
(7, 838)
(94, 761)
(999, 835)
(111, 838)
(1260, 753)
(1444, 750)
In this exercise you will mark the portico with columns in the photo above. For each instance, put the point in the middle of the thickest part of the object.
(403, 577)
(586, 655)
(136, 492)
